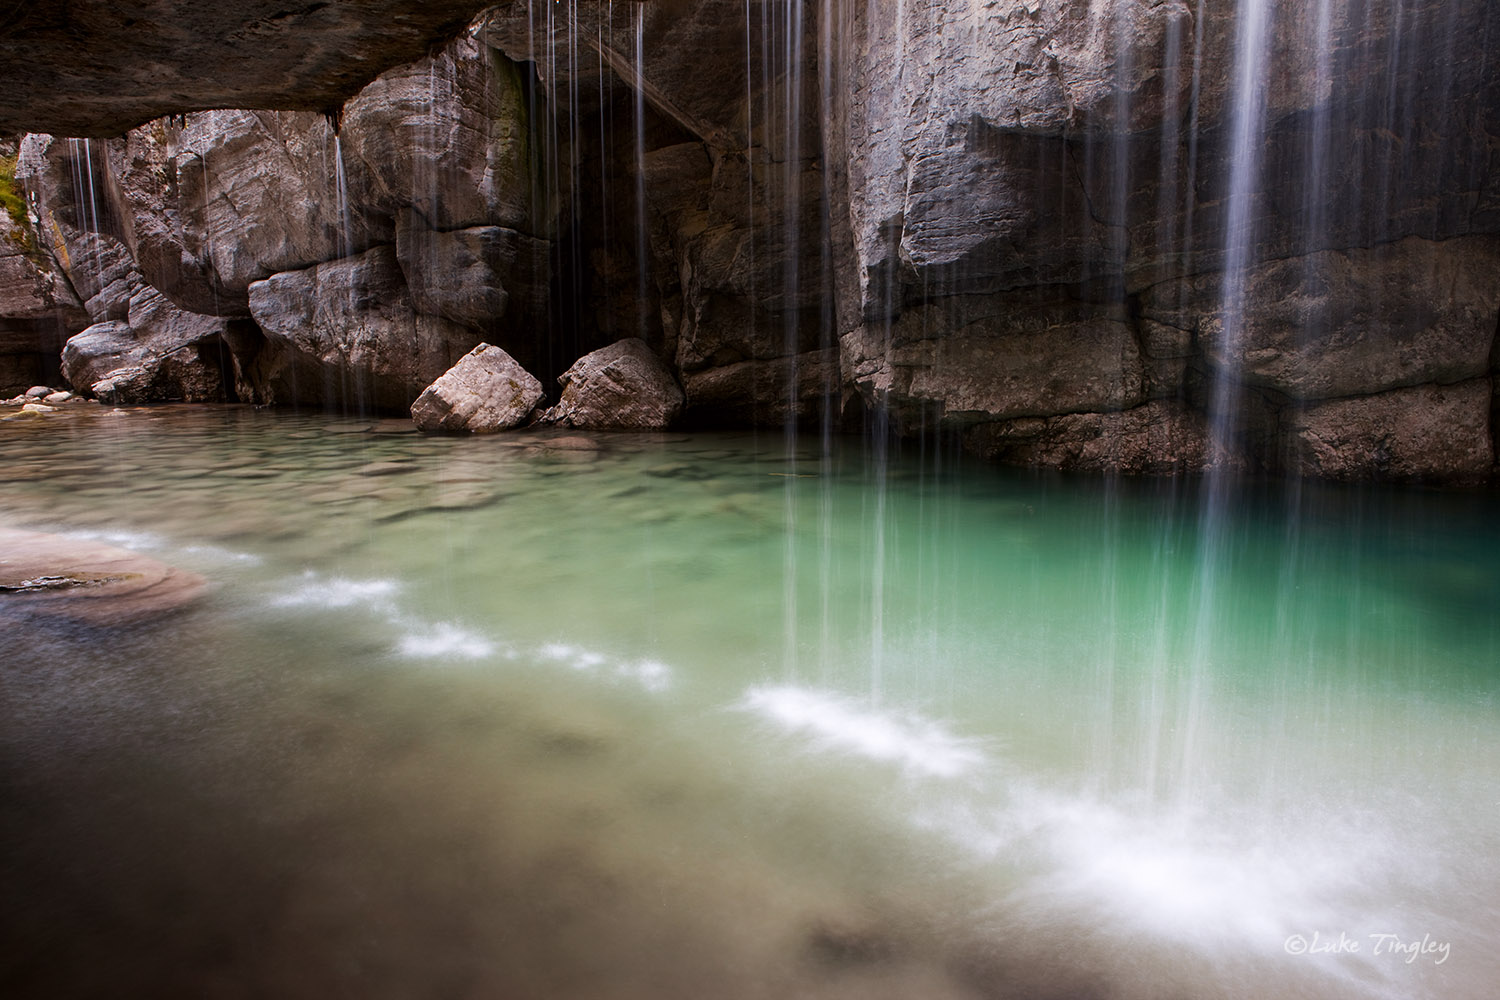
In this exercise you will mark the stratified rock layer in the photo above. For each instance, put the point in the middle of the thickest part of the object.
(95, 68)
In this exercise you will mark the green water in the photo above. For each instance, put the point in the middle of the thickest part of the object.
(711, 716)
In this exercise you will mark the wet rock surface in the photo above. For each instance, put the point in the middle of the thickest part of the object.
(620, 387)
(346, 332)
(57, 576)
(485, 391)
(965, 216)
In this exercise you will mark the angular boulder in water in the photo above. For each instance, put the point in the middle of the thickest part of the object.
(620, 387)
(486, 391)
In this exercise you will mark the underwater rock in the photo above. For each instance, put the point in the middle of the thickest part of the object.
(55, 576)
(620, 387)
(485, 391)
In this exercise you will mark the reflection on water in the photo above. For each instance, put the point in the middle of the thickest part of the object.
(573, 716)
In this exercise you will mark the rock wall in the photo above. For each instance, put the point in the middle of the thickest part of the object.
(1045, 201)
(1142, 236)
(264, 256)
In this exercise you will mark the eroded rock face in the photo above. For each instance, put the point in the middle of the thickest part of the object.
(98, 69)
(1086, 151)
(1161, 438)
(1347, 322)
(801, 389)
(967, 360)
(447, 137)
(1010, 221)
(485, 391)
(159, 353)
(37, 308)
(620, 387)
(346, 333)
(1428, 432)
(487, 277)
(254, 193)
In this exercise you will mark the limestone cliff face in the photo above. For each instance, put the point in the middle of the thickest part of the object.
(1039, 191)
(1140, 236)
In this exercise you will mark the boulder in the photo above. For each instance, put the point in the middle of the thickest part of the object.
(345, 333)
(620, 387)
(485, 391)
(158, 353)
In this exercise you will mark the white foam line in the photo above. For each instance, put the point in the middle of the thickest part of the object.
(224, 555)
(124, 539)
(653, 675)
(445, 640)
(919, 746)
(1212, 881)
(337, 592)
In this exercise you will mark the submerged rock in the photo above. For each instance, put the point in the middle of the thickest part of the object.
(56, 576)
(620, 387)
(485, 391)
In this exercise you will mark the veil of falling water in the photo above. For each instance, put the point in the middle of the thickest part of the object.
(771, 714)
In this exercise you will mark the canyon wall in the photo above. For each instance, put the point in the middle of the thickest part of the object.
(1140, 236)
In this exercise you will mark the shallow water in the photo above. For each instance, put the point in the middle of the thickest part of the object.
(629, 716)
